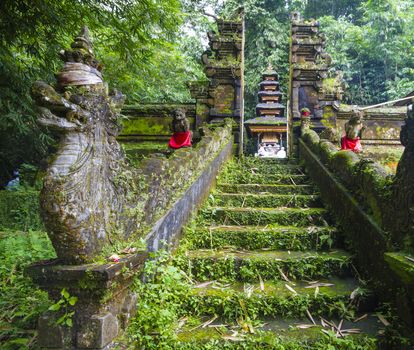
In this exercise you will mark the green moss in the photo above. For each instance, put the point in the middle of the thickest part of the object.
(233, 302)
(246, 266)
(269, 189)
(264, 216)
(251, 200)
(403, 267)
(253, 237)
(148, 126)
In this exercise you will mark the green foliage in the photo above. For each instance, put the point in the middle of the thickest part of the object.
(139, 42)
(369, 51)
(160, 303)
(21, 302)
(19, 210)
(65, 308)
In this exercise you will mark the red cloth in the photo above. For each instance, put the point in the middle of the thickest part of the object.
(305, 114)
(351, 144)
(180, 139)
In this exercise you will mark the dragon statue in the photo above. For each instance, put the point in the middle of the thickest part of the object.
(83, 201)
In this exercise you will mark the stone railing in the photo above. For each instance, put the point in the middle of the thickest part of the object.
(374, 211)
(174, 188)
(99, 209)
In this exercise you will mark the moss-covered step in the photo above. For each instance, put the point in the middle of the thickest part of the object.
(257, 237)
(248, 178)
(247, 266)
(325, 298)
(238, 169)
(274, 333)
(265, 200)
(264, 216)
(269, 188)
(402, 264)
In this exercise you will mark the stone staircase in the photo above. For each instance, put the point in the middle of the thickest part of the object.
(268, 268)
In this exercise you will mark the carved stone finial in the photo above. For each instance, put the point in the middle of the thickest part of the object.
(81, 67)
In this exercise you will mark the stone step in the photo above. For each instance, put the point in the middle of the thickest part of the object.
(266, 189)
(322, 298)
(265, 200)
(264, 216)
(247, 266)
(235, 169)
(258, 178)
(274, 333)
(257, 237)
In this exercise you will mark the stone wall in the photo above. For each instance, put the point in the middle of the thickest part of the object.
(152, 122)
(382, 125)
(359, 194)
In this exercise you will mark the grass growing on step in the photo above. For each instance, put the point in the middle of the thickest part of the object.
(310, 339)
(264, 216)
(252, 237)
(249, 301)
(266, 189)
(250, 167)
(247, 266)
(21, 301)
(264, 200)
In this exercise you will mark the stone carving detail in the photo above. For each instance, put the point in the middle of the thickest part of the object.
(354, 126)
(403, 187)
(180, 123)
(82, 200)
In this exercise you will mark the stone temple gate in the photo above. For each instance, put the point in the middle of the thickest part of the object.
(94, 198)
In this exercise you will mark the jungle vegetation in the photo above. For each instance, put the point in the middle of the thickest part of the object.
(151, 49)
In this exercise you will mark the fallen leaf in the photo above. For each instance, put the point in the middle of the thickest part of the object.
(304, 326)
(204, 284)
(262, 287)
(360, 318)
(316, 291)
(315, 285)
(310, 316)
(383, 320)
(205, 324)
(409, 258)
(282, 274)
(291, 289)
(232, 338)
(354, 293)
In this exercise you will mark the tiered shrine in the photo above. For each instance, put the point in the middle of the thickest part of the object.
(269, 128)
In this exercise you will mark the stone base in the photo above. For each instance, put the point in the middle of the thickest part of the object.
(104, 307)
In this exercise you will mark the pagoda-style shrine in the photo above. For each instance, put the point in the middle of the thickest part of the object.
(269, 128)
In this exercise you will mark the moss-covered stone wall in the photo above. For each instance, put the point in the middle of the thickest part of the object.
(358, 192)
(149, 121)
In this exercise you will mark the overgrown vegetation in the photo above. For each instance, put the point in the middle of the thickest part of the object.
(21, 302)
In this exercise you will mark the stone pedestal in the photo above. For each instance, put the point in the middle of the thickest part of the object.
(104, 306)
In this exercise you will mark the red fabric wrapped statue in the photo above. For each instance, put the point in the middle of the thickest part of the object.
(180, 139)
(351, 144)
(181, 128)
(353, 127)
